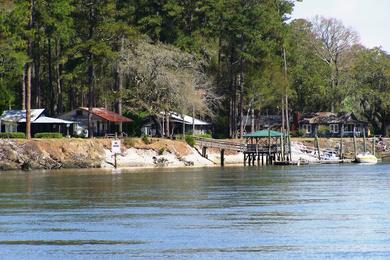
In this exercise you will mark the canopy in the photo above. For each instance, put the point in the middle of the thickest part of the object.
(263, 134)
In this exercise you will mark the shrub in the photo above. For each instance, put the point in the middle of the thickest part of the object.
(48, 135)
(207, 135)
(129, 142)
(161, 151)
(146, 140)
(298, 133)
(190, 140)
(13, 135)
(322, 130)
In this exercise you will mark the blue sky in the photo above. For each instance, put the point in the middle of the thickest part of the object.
(370, 18)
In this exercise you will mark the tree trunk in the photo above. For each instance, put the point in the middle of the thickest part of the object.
(28, 83)
(59, 66)
(37, 82)
(167, 130)
(241, 105)
(119, 87)
(24, 80)
(52, 97)
(193, 120)
(252, 118)
(91, 75)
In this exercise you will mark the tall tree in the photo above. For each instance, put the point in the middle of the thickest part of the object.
(331, 40)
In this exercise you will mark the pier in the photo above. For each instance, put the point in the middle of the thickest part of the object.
(264, 147)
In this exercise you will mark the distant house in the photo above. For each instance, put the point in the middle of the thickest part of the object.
(103, 121)
(153, 127)
(15, 121)
(332, 124)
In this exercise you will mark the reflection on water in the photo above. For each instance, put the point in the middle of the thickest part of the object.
(309, 212)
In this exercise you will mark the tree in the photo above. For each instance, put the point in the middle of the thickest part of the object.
(331, 40)
(164, 79)
(371, 74)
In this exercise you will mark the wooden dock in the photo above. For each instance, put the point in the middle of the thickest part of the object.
(253, 153)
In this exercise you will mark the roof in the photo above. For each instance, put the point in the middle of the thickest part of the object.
(263, 134)
(19, 116)
(107, 115)
(51, 120)
(329, 118)
(188, 120)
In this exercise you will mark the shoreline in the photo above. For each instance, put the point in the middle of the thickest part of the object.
(50, 154)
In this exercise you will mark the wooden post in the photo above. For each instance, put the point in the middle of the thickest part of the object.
(115, 162)
(318, 147)
(364, 140)
(373, 145)
(269, 143)
(204, 151)
(282, 146)
(354, 141)
(222, 157)
(341, 142)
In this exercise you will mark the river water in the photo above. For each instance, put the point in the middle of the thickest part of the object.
(329, 211)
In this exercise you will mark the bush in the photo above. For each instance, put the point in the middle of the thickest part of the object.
(298, 133)
(146, 140)
(48, 135)
(161, 151)
(129, 142)
(203, 135)
(322, 130)
(190, 140)
(13, 135)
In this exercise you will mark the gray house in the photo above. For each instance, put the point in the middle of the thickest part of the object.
(15, 121)
(332, 124)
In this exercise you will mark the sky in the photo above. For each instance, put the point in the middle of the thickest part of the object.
(370, 18)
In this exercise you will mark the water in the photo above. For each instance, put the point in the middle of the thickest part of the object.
(328, 211)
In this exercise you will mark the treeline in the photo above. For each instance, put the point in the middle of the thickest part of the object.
(228, 60)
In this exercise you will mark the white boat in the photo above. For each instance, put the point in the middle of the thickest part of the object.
(366, 157)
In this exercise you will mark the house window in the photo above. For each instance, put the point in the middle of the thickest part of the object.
(334, 128)
(306, 128)
(348, 128)
(10, 128)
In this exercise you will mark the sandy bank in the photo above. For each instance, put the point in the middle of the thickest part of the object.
(96, 153)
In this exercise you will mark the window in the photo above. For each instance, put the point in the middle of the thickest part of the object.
(348, 128)
(9, 128)
(306, 128)
(334, 128)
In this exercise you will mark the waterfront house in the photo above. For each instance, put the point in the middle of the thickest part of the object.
(15, 121)
(154, 126)
(330, 124)
(103, 121)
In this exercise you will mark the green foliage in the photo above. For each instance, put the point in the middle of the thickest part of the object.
(161, 151)
(298, 133)
(203, 135)
(190, 140)
(323, 130)
(214, 58)
(146, 139)
(48, 135)
(134, 129)
(13, 135)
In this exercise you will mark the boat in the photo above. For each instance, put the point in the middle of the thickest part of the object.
(366, 157)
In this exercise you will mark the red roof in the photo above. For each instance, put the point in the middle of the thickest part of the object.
(108, 115)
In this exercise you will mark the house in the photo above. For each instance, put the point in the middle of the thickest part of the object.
(332, 124)
(15, 121)
(154, 126)
(103, 121)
